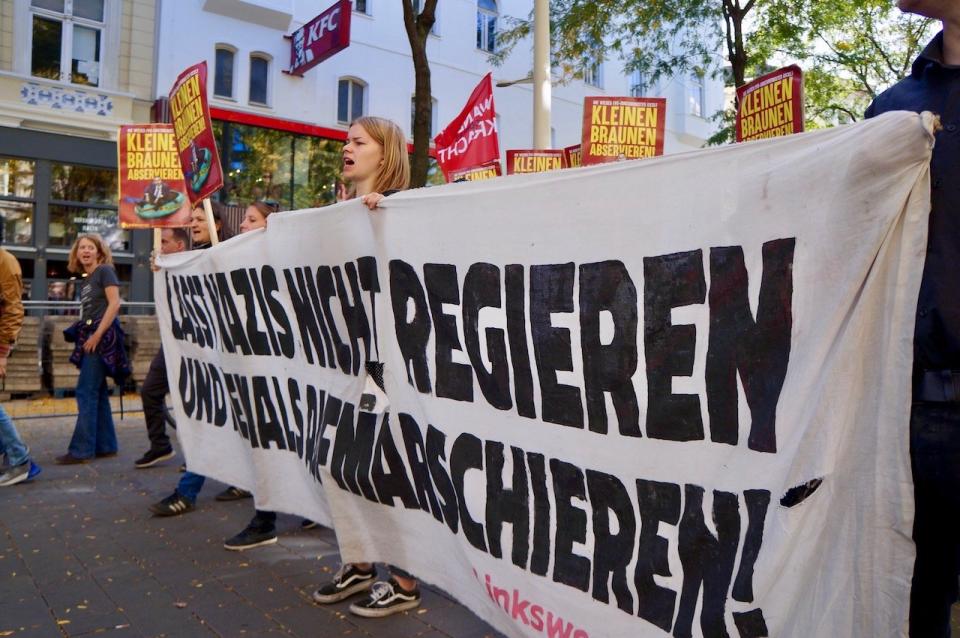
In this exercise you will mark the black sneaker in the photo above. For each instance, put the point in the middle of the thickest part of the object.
(385, 599)
(251, 536)
(348, 580)
(232, 494)
(174, 505)
(306, 524)
(152, 457)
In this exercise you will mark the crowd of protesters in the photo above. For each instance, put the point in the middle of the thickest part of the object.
(375, 164)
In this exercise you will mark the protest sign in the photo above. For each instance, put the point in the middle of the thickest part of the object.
(622, 128)
(771, 105)
(470, 140)
(152, 192)
(319, 39)
(534, 161)
(572, 156)
(478, 173)
(196, 144)
(644, 399)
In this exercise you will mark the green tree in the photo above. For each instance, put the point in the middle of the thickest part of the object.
(418, 21)
(660, 38)
(849, 49)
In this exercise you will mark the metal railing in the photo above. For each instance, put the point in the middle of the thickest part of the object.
(34, 308)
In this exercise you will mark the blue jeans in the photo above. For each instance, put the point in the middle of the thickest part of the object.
(190, 485)
(94, 432)
(10, 443)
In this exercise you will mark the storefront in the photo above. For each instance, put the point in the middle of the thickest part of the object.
(54, 187)
(295, 164)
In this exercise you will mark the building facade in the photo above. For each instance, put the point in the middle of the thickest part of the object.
(280, 135)
(71, 72)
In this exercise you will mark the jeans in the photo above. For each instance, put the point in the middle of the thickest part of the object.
(10, 443)
(94, 432)
(190, 485)
(153, 394)
(935, 457)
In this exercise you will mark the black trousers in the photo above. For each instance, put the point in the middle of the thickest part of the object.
(935, 457)
(153, 394)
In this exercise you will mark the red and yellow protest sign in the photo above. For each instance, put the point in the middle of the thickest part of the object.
(197, 146)
(771, 105)
(478, 173)
(152, 191)
(573, 156)
(622, 128)
(534, 161)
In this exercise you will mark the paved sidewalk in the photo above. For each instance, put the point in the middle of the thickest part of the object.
(80, 555)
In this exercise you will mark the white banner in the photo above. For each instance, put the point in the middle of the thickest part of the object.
(654, 398)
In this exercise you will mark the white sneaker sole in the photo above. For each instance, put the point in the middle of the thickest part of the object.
(19, 478)
(240, 548)
(356, 588)
(368, 612)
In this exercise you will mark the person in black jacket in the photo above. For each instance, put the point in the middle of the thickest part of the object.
(934, 85)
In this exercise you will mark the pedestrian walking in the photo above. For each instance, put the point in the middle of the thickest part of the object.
(184, 496)
(98, 350)
(19, 467)
(262, 528)
(153, 392)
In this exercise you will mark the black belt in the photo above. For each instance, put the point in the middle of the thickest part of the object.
(939, 386)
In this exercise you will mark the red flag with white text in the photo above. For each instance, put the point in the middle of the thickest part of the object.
(471, 138)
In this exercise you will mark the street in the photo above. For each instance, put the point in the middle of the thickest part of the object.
(81, 555)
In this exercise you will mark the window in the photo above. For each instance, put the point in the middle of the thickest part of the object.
(300, 171)
(362, 6)
(638, 84)
(83, 199)
(593, 72)
(433, 115)
(487, 25)
(259, 79)
(16, 201)
(67, 40)
(350, 99)
(435, 29)
(223, 72)
(695, 94)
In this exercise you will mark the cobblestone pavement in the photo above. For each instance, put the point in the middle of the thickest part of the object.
(80, 555)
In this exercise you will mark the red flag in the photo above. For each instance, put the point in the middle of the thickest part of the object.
(471, 138)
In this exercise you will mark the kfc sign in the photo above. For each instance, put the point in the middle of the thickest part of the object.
(320, 38)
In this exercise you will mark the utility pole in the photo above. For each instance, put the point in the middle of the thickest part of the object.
(541, 74)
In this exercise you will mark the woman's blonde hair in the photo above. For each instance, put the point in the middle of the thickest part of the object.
(394, 173)
(106, 257)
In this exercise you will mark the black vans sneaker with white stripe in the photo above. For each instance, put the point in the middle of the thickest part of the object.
(385, 599)
(173, 505)
(348, 580)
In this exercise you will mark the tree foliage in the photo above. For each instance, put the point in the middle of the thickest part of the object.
(849, 49)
